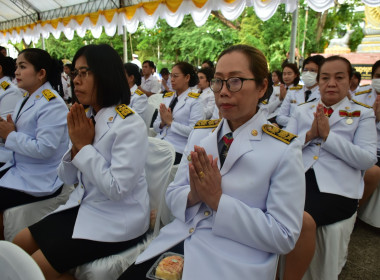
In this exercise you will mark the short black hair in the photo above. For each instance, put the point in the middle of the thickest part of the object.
(133, 70)
(151, 63)
(279, 75)
(208, 72)
(357, 75)
(164, 71)
(110, 79)
(209, 63)
(374, 68)
(8, 65)
(294, 68)
(188, 69)
(317, 59)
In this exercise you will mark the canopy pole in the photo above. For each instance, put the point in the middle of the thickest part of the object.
(43, 42)
(304, 32)
(293, 35)
(125, 45)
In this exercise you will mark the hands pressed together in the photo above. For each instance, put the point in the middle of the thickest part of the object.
(81, 129)
(320, 127)
(166, 115)
(6, 126)
(205, 179)
(376, 108)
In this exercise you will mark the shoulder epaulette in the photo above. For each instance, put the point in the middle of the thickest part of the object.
(362, 104)
(278, 133)
(307, 101)
(264, 102)
(296, 87)
(124, 111)
(207, 123)
(49, 95)
(362, 92)
(168, 94)
(194, 95)
(139, 92)
(5, 85)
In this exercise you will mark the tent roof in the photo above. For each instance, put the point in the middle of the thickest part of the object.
(31, 19)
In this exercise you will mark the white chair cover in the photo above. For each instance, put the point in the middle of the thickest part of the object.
(148, 114)
(330, 252)
(19, 217)
(155, 100)
(370, 212)
(161, 155)
(16, 264)
(165, 213)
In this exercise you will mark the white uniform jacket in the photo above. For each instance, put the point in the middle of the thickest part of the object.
(186, 113)
(273, 103)
(10, 95)
(139, 101)
(259, 214)
(366, 95)
(350, 148)
(294, 97)
(207, 98)
(112, 190)
(37, 145)
(151, 84)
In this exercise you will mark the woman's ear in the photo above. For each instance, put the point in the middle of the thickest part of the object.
(42, 75)
(263, 88)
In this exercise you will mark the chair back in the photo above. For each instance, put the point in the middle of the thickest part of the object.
(148, 114)
(16, 264)
(161, 155)
(155, 100)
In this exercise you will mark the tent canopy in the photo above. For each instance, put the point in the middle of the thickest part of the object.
(28, 20)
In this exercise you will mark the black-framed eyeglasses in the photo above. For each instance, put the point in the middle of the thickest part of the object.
(81, 73)
(233, 84)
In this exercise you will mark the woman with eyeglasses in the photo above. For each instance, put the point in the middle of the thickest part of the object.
(108, 211)
(180, 110)
(339, 138)
(238, 197)
(35, 134)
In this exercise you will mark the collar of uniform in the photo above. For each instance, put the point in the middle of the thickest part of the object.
(146, 80)
(38, 93)
(183, 95)
(314, 89)
(6, 78)
(133, 89)
(336, 105)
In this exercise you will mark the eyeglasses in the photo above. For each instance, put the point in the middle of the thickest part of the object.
(175, 76)
(81, 73)
(233, 84)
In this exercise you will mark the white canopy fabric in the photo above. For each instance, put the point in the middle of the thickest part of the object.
(173, 11)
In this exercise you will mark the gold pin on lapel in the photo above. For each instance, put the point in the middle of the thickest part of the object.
(110, 119)
(37, 96)
(347, 108)
(254, 132)
(189, 157)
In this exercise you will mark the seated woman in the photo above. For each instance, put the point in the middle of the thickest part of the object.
(108, 211)
(339, 137)
(35, 135)
(10, 94)
(238, 203)
(139, 100)
(180, 110)
(207, 96)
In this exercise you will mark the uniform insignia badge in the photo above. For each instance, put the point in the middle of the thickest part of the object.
(5, 85)
(123, 110)
(139, 92)
(296, 87)
(362, 104)
(278, 133)
(168, 94)
(362, 92)
(48, 94)
(264, 102)
(349, 115)
(194, 95)
(254, 132)
(207, 123)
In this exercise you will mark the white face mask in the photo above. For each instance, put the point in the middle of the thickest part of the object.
(376, 84)
(309, 78)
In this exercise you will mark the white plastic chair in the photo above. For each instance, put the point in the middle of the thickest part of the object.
(370, 212)
(16, 264)
(161, 155)
(19, 217)
(148, 114)
(155, 100)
